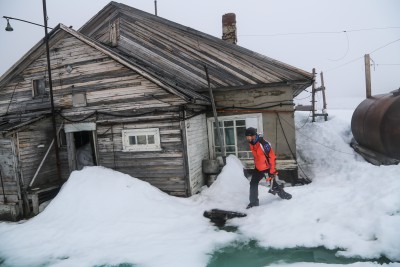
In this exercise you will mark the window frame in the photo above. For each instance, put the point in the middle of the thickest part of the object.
(127, 133)
(222, 119)
(35, 87)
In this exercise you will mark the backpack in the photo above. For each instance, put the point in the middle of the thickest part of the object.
(265, 145)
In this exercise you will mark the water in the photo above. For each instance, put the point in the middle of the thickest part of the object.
(250, 254)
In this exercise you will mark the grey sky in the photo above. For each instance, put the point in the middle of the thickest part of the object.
(304, 33)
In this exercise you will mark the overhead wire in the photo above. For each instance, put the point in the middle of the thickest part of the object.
(321, 32)
(311, 139)
(335, 32)
(9, 103)
(347, 49)
(358, 58)
(307, 121)
(290, 149)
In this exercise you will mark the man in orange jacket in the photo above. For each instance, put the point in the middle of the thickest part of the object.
(264, 161)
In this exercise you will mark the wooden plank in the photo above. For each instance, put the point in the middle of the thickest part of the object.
(304, 108)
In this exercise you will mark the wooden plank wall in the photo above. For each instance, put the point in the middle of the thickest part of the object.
(163, 169)
(265, 101)
(197, 146)
(33, 143)
(7, 163)
(109, 87)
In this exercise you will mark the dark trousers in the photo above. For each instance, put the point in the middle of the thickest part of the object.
(255, 179)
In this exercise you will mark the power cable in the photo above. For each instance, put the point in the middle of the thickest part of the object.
(379, 48)
(373, 51)
(9, 103)
(320, 32)
(304, 97)
(387, 65)
(309, 138)
(293, 155)
(307, 121)
(347, 50)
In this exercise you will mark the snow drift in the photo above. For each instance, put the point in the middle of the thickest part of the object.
(104, 217)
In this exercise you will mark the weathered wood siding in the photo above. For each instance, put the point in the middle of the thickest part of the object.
(108, 85)
(266, 101)
(33, 143)
(114, 91)
(197, 150)
(163, 169)
(7, 169)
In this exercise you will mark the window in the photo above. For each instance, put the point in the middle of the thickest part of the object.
(39, 87)
(232, 131)
(141, 140)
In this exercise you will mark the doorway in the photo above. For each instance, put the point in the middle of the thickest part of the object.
(84, 146)
(81, 145)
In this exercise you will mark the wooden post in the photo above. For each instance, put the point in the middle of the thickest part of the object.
(323, 90)
(221, 140)
(313, 96)
(367, 75)
(53, 114)
(323, 95)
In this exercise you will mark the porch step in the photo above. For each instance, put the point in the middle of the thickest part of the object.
(39, 196)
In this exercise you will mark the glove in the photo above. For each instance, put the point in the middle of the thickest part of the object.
(271, 177)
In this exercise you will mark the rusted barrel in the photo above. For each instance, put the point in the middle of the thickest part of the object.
(376, 124)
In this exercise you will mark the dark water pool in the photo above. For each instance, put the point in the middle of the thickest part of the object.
(250, 254)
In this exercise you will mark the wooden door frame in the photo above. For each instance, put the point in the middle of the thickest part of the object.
(70, 129)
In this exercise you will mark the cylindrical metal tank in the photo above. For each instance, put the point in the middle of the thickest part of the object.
(376, 124)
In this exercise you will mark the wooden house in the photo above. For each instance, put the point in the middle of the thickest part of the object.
(131, 94)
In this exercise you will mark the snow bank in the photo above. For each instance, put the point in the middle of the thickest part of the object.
(351, 204)
(106, 217)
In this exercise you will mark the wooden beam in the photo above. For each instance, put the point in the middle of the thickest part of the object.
(367, 75)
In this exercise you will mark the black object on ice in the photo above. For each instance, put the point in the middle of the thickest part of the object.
(219, 217)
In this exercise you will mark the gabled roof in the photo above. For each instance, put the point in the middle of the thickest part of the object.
(37, 50)
(176, 54)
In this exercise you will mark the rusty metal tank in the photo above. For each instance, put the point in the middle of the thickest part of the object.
(376, 124)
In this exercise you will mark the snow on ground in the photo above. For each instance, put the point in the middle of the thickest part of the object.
(104, 217)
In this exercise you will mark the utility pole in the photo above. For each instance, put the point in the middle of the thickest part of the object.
(53, 115)
(219, 135)
(367, 61)
(313, 96)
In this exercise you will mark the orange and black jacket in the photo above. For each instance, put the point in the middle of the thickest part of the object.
(264, 156)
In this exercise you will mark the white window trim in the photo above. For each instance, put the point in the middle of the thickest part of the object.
(126, 147)
(211, 120)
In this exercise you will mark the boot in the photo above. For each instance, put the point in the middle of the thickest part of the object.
(278, 189)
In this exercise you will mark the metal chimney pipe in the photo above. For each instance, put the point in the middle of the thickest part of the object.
(229, 28)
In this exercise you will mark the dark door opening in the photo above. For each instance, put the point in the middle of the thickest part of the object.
(85, 149)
